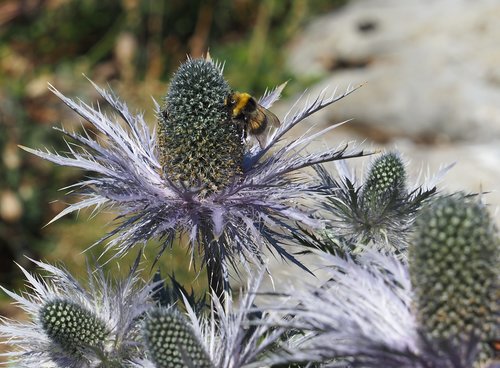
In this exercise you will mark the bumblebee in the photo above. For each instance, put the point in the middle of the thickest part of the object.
(257, 121)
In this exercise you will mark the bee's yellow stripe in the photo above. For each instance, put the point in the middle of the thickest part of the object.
(241, 103)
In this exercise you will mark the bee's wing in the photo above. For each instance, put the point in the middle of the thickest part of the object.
(272, 123)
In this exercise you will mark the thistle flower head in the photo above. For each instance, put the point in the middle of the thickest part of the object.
(233, 335)
(76, 326)
(73, 328)
(171, 342)
(454, 265)
(198, 144)
(386, 179)
(375, 212)
(363, 317)
(200, 177)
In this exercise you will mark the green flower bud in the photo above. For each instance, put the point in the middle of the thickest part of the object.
(386, 180)
(72, 327)
(454, 270)
(199, 143)
(172, 343)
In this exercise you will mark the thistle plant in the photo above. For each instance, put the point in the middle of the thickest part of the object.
(365, 319)
(73, 325)
(413, 281)
(200, 176)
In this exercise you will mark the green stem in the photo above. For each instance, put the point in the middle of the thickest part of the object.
(218, 283)
(217, 280)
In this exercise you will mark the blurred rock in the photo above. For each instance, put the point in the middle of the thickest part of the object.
(125, 52)
(477, 168)
(38, 86)
(431, 67)
(11, 157)
(432, 84)
(14, 64)
(11, 208)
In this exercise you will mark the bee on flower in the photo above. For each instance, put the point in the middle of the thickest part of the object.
(218, 169)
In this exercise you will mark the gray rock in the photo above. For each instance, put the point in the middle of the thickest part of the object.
(431, 67)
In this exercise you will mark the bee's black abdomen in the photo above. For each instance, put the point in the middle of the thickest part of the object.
(250, 106)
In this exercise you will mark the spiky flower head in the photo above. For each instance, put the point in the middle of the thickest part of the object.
(386, 180)
(236, 334)
(77, 326)
(454, 264)
(199, 145)
(171, 342)
(74, 328)
(376, 212)
(201, 177)
(363, 317)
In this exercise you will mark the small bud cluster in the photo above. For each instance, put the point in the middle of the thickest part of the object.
(386, 179)
(171, 342)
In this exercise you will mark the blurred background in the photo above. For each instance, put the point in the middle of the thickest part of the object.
(133, 46)
(431, 90)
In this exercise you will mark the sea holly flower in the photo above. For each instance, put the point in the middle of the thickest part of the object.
(441, 310)
(360, 317)
(75, 325)
(203, 175)
(234, 335)
(364, 318)
(454, 266)
(171, 342)
(375, 212)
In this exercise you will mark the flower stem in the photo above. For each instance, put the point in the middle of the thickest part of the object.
(217, 278)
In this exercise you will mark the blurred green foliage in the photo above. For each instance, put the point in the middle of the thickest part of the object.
(134, 45)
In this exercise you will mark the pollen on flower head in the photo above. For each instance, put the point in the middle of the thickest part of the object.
(72, 327)
(454, 270)
(171, 343)
(199, 144)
